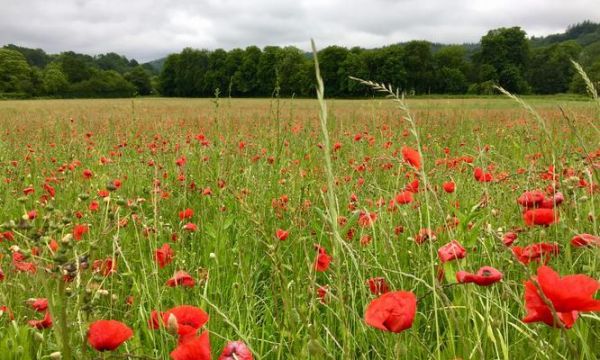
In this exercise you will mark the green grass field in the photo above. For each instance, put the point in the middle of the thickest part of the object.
(248, 167)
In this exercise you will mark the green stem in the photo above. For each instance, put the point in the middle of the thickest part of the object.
(62, 322)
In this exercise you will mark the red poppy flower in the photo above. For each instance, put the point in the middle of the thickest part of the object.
(323, 259)
(585, 240)
(485, 276)
(550, 203)
(543, 217)
(535, 252)
(188, 320)
(425, 235)
(87, 174)
(482, 176)
(53, 245)
(322, 292)
(186, 214)
(164, 255)
(181, 278)
(509, 238)
(181, 161)
(405, 197)
(378, 285)
(412, 157)
(50, 190)
(531, 199)
(366, 219)
(38, 305)
(108, 334)
(94, 205)
(413, 187)
(197, 348)
(1, 275)
(105, 267)
(79, 230)
(451, 251)
(569, 295)
(281, 234)
(393, 311)
(45, 323)
(7, 235)
(236, 350)
(5, 310)
(19, 263)
(31, 215)
(191, 227)
(449, 187)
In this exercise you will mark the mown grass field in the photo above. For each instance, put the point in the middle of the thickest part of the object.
(247, 168)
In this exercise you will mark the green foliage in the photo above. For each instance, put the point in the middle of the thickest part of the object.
(15, 73)
(34, 57)
(102, 84)
(551, 70)
(113, 61)
(140, 78)
(506, 51)
(55, 82)
(578, 85)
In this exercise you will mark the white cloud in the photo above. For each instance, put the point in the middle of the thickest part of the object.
(149, 29)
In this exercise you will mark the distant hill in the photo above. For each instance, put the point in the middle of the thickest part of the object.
(155, 65)
(586, 34)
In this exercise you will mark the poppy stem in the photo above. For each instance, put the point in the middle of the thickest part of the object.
(62, 321)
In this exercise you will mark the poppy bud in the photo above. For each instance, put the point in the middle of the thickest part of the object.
(172, 325)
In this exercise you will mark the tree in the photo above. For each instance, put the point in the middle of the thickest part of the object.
(114, 61)
(216, 76)
(419, 64)
(15, 73)
(550, 70)
(76, 67)
(140, 79)
(507, 51)
(292, 72)
(168, 76)
(53, 80)
(34, 57)
(393, 66)
(451, 69)
(246, 78)
(579, 86)
(267, 77)
(354, 65)
(103, 84)
(330, 60)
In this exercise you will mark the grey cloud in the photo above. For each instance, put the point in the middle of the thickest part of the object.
(150, 29)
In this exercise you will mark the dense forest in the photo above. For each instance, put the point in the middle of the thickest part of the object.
(504, 56)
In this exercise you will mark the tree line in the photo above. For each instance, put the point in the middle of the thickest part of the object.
(504, 57)
(28, 72)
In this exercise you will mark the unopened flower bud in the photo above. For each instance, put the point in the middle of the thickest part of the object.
(172, 325)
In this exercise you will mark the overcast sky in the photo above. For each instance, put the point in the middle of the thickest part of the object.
(149, 29)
